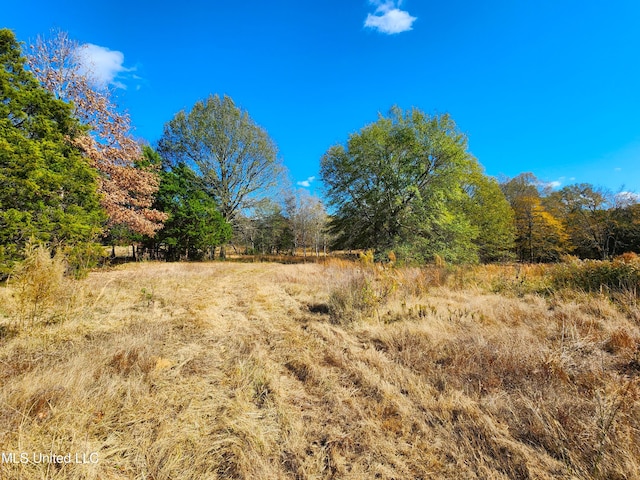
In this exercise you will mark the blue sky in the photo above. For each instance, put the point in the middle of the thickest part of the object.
(551, 87)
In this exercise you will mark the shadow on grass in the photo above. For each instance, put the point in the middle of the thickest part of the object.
(7, 332)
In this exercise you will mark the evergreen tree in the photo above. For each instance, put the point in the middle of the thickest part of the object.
(194, 225)
(47, 189)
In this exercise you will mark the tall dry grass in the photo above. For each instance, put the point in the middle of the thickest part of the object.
(340, 370)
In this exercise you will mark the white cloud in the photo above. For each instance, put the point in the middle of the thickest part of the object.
(104, 66)
(551, 184)
(388, 18)
(306, 183)
(627, 198)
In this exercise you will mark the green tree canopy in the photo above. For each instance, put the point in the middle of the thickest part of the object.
(194, 224)
(404, 183)
(235, 158)
(47, 189)
(491, 213)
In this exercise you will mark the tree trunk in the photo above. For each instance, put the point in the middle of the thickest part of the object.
(223, 252)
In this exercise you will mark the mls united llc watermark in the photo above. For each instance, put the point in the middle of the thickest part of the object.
(56, 458)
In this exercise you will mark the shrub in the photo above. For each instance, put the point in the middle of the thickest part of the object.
(367, 257)
(83, 257)
(619, 275)
(38, 284)
(352, 298)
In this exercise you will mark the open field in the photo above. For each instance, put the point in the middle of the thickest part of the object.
(312, 371)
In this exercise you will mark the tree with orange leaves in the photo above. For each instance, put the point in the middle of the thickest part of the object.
(126, 185)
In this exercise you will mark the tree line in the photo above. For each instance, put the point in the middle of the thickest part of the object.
(72, 176)
(407, 184)
(581, 220)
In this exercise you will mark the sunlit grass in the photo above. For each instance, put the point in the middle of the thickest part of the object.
(335, 370)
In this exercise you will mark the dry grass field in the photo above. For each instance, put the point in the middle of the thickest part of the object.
(316, 371)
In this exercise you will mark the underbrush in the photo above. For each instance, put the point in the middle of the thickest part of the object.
(557, 364)
(39, 288)
(361, 290)
(621, 275)
(618, 279)
(45, 287)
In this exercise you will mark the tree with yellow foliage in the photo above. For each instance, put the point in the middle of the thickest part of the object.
(540, 236)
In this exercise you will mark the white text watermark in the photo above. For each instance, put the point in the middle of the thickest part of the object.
(24, 458)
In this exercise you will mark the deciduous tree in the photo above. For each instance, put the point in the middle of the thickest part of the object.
(126, 189)
(587, 213)
(235, 158)
(272, 232)
(626, 220)
(401, 184)
(492, 214)
(308, 219)
(540, 237)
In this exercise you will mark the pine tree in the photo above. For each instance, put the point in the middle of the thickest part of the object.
(194, 226)
(48, 191)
